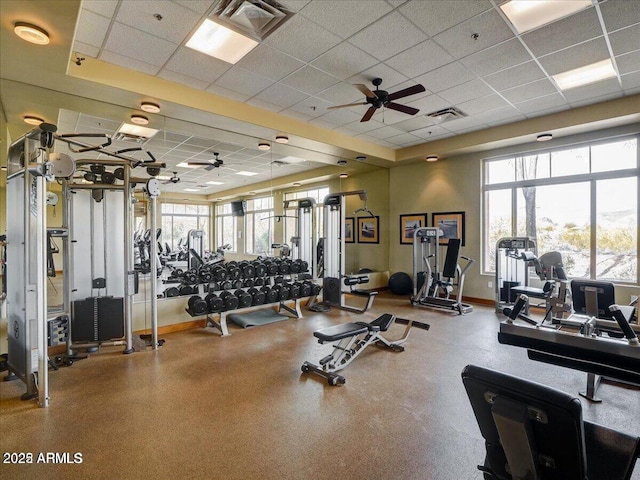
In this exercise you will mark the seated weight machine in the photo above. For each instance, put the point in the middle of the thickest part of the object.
(334, 250)
(437, 286)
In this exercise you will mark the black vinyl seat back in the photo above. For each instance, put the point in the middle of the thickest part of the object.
(604, 293)
(451, 258)
(552, 421)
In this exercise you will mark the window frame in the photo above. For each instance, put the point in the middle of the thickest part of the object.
(207, 216)
(250, 214)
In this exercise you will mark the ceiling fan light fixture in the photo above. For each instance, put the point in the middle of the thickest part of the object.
(31, 120)
(282, 139)
(544, 137)
(150, 107)
(139, 119)
(264, 146)
(31, 33)
(431, 158)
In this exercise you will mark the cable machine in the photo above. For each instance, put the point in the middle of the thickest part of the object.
(512, 269)
(334, 277)
(304, 241)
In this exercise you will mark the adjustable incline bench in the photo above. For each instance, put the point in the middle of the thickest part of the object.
(352, 339)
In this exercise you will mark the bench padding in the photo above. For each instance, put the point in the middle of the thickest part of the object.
(338, 332)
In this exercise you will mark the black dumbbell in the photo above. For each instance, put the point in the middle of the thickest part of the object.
(197, 306)
(249, 282)
(237, 283)
(258, 282)
(305, 288)
(271, 295)
(187, 290)
(244, 298)
(171, 292)
(272, 268)
(205, 276)
(278, 280)
(248, 270)
(294, 289)
(285, 267)
(315, 289)
(234, 273)
(285, 292)
(304, 266)
(261, 269)
(295, 266)
(213, 287)
(190, 277)
(258, 297)
(220, 273)
(226, 285)
(214, 303)
(230, 300)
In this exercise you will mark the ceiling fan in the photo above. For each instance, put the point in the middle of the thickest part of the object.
(209, 164)
(174, 179)
(382, 98)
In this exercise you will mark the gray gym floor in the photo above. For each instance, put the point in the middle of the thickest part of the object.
(238, 407)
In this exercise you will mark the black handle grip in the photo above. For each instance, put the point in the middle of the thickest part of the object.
(624, 324)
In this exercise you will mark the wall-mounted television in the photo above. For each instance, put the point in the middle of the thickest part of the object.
(238, 208)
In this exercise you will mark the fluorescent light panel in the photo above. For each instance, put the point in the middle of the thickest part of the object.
(215, 183)
(584, 75)
(186, 165)
(191, 189)
(220, 42)
(526, 15)
(137, 130)
(246, 174)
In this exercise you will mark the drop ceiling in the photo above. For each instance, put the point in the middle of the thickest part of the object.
(465, 53)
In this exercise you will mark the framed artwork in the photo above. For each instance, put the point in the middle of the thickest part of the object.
(451, 224)
(369, 229)
(348, 230)
(408, 225)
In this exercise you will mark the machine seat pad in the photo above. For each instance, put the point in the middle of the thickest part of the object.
(534, 292)
(363, 293)
(338, 332)
(383, 322)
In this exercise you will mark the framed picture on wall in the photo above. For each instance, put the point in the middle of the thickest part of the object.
(408, 225)
(369, 229)
(451, 224)
(348, 230)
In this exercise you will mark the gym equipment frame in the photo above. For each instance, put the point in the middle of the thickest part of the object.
(334, 255)
(426, 265)
(512, 268)
(351, 340)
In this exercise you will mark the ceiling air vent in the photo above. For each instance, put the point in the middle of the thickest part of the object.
(446, 114)
(255, 18)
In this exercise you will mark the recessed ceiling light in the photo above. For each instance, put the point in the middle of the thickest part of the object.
(526, 15)
(31, 33)
(544, 137)
(139, 119)
(220, 42)
(584, 75)
(150, 107)
(31, 120)
(246, 174)
(3, 167)
(341, 162)
(296, 184)
(264, 146)
(361, 158)
(282, 139)
(431, 158)
(191, 189)
(344, 175)
(215, 183)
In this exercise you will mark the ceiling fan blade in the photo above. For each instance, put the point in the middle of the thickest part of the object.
(365, 90)
(402, 108)
(369, 113)
(209, 167)
(198, 163)
(346, 105)
(405, 92)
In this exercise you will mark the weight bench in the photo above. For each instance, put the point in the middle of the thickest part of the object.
(352, 338)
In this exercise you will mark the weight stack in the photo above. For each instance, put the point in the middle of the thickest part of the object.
(97, 319)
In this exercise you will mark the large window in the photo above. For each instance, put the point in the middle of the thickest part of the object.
(226, 227)
(259, 226)
(581, 201)
(179, 218)
(290, 224)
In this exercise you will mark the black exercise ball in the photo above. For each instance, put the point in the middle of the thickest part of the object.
(400, 283)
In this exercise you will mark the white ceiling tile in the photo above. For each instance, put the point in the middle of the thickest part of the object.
(257, 102)
(631, 83)
(281, 95)
(92, 28)
(385, 132)
(344, 60)
(629, 62)
(625, 40)
(390, 77)
(195, 64)
(515, 76)
(342, 116)
(619, 13)
(592, 91)
(126, 41)
(404, 140)
(358, 127)
(495, 59)
(106, 8)
(389, 116)
(269, 62)
(176, 24)
(482, 104)
(126, 62)
(322, 123)
(415, 122)
(388, 36)
(224, 92)
(430, 103)
(445, 77)
(431, 132)
(311, 106)
(532, 108)
(564, 33)
(294, 5)
(463, 124)
(431, 56)
(489, 27)
(85, 49)
(243, 81)
(309, 80)
(439, 16)
(574, 57)
(342, 93)
(538, 88)
(500, 116)
(345, 17)
(302, 39)
(466, 91)
(183, 79)
(396, 3)
(199, 6)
